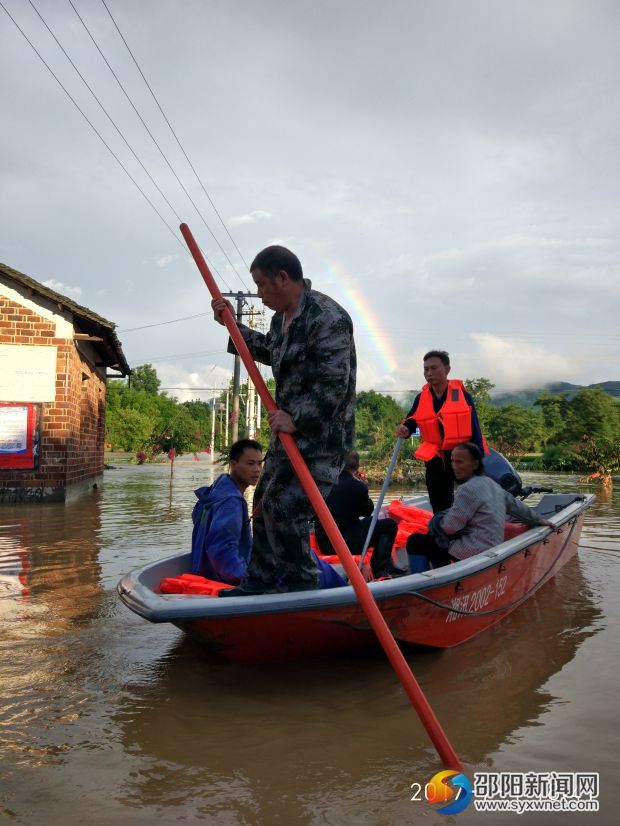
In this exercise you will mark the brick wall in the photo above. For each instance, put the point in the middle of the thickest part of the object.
(71, 427)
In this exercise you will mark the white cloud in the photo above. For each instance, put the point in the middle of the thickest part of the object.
(163, 260)
(65, 289)
(193, 384)
(481, 204)
(250, 218)
(512, 363)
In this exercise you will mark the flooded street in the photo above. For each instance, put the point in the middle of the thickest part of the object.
(108, 719)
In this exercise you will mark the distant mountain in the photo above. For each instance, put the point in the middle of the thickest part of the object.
(526, 398)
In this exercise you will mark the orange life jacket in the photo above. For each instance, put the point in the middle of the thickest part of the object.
(455, 418)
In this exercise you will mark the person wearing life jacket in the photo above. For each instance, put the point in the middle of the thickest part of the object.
(221, 538)
(446, 416)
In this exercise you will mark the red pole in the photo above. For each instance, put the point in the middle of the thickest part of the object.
(369, 606)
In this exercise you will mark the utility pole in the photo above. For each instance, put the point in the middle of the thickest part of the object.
(240, 297)
(261, 325)
(213, 426)
(250, 419)
(227, 415)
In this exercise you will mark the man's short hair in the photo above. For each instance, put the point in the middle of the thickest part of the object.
(352, 460)
(275, 258)
(442, 355)
(237, 450)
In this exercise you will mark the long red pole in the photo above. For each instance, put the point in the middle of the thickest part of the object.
(369, 606)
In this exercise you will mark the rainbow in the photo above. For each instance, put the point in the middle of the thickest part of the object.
(358, 306)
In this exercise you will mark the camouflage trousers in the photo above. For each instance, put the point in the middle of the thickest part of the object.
(281, 559)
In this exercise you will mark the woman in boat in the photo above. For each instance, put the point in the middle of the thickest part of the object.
(475, 522)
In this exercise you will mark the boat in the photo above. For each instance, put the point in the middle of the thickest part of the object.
(439, 608)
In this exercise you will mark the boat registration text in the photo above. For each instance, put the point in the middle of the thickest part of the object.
(476, 600)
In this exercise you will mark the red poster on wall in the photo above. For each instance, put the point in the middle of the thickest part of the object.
(18, 424)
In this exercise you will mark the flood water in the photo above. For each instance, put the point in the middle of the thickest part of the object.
(107, 719)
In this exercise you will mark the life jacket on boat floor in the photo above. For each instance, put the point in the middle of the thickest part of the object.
(201, 586)
(192, 584)
(333, 559)
(410, 519)
(454, 416)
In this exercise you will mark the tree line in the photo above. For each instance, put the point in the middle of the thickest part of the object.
(577, 434)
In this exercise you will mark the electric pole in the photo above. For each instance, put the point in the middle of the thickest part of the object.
(213, 426)
(250, 419)
(240, 298)
(227, 415)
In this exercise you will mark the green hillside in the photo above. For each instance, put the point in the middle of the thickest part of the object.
(526, 398)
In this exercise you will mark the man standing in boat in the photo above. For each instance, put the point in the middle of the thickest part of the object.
(446, 416)
(311, 351)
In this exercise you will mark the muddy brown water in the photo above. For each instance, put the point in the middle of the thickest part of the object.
(107, 719)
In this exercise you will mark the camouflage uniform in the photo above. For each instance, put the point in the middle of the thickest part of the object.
(314, 366)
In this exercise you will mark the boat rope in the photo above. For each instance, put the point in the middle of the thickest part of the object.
(509, 605)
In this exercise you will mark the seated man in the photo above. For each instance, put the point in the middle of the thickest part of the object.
(475, 522)
(221, 539)
(347, 501)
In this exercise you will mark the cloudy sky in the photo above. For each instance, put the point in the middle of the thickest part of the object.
(448, 171)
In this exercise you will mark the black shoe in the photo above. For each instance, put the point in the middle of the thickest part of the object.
(239, 591)
(390, 571)
(294, 587)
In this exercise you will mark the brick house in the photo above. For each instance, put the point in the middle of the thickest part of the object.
(54, 357)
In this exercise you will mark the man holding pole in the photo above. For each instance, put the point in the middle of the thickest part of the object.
(446, 416)
(311, 351)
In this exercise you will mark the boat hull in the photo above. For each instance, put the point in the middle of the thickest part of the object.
(440, 608)
(464, 608)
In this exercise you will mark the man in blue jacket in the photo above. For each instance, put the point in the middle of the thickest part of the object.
(222, 539)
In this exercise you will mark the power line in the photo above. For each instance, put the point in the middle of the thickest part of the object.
(96, 131)
(89, 122)
(103, 109)
(201, 389)
(162, 323)
(161, 152)
(177, 140)
(174, 320)
(183, 355)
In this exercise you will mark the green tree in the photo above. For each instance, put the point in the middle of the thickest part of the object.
(114, 392)
(480, 391)
(376, 417)
(556, 414)
(514, 430)
(593, 413)
(599, 457)
(145, 378)
(200, 413)
(175, 430)
(128, 429)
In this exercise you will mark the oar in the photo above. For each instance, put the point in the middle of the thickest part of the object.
(375, 515)
(369, 606)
